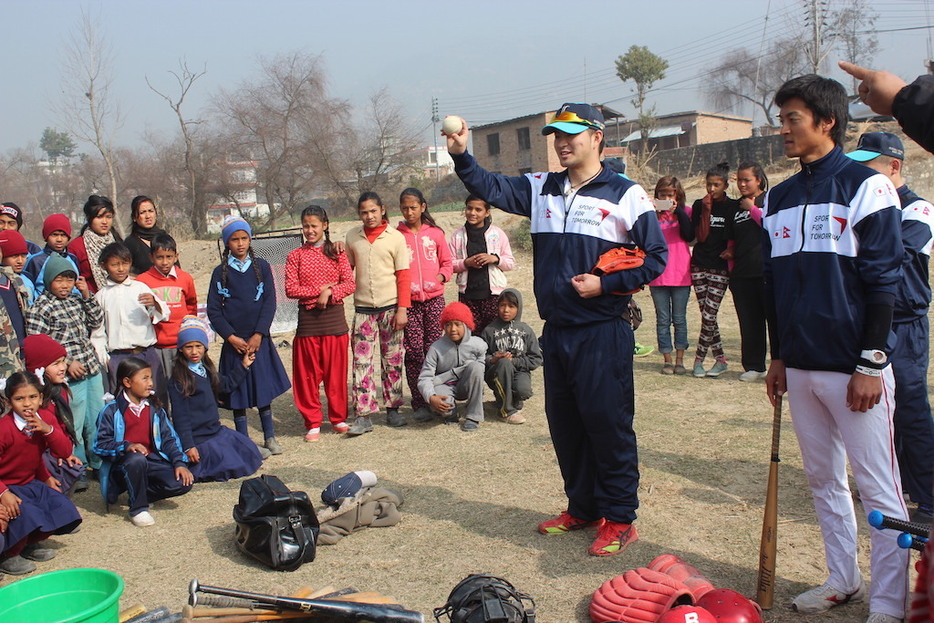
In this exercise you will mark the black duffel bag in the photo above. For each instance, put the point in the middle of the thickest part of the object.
(275, 526)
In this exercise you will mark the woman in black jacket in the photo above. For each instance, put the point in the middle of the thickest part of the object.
(142, 230)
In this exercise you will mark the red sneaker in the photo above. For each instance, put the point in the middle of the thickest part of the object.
(564, 523)
(612, 538)
(341, 427)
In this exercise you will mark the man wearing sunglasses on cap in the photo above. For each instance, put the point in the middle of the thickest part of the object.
(577, 215)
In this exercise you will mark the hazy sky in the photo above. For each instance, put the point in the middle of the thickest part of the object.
(485, 60)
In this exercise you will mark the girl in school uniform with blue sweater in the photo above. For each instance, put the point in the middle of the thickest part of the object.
(241, 307)
(215, 453)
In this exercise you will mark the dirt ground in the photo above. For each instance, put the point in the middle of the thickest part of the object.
(472, 501)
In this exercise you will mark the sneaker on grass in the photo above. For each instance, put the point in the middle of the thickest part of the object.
(273, 446)
(824, 597)
(515, 418)
(612, 538)
(718, 368)
(37, 553)
(394, 418)
(642, 351)
(422, 414)
(17, 565)
(142, 520)
(564, 523)
(360, 425)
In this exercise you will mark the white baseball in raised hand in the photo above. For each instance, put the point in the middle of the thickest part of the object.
(452, 125)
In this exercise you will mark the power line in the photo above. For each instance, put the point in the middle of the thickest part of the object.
(690, 67)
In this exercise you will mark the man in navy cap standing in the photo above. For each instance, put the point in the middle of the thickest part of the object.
(577, 215)
(914, 428)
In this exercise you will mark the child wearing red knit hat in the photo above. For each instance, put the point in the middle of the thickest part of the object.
(45, 358)
(14, 253)
(56, 230)
(454, 368)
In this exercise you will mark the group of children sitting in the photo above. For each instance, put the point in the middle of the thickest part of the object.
(108, 373)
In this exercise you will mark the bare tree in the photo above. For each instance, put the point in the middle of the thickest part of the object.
(39, 187)
(742, 77)
(852, 30)
(275, 117)
(380, 154)
(88, 106)
(196, 208)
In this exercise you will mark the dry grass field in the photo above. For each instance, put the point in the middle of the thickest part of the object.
(472, 501)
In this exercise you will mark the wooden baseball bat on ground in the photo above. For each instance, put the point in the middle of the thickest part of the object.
(765, 583)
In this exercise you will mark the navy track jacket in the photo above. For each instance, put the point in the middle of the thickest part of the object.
(914, 294)
(569, 237)
(832, 245)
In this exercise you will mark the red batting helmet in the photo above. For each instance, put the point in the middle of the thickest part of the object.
(728, 606)
(687, 614)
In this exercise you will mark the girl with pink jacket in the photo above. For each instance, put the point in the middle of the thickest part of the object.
(430, 268)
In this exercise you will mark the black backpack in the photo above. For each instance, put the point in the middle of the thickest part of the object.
(276, 526)
(486, 599)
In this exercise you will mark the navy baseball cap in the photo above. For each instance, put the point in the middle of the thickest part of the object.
(874, 144)
(347, 486)
(575, 118)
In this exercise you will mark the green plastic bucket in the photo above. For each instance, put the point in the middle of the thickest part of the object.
(68, 596)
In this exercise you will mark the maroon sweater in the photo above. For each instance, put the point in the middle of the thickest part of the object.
(21, 455)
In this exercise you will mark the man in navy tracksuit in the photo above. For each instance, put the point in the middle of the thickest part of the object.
(833, 254)
(577, 215)
(914, 427)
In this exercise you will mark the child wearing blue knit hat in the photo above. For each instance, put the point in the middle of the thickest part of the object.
(241, 307)
(215, 453)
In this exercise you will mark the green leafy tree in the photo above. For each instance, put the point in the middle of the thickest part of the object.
(644, 68)
(57, 145)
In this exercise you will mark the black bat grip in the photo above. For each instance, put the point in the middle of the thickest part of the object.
(878, 520)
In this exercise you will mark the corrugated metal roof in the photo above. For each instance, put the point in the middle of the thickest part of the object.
(672, 130)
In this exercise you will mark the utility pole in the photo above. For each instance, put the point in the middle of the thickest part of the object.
(434, 131)
(815, 51)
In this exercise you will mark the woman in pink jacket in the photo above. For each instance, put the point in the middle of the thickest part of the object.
(430, 269)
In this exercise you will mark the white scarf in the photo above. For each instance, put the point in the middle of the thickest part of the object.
(94, 244)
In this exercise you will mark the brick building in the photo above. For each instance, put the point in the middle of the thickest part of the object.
(516, 146)
(682, 129)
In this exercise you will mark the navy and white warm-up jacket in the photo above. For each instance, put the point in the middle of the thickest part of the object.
(914, 294)
(832, 247)
(569, 237)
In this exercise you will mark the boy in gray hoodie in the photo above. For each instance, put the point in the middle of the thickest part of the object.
(512, 353)
(453, 368)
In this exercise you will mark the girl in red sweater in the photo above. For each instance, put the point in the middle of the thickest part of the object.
(319, 276)
(46, 359)
(30, 497)
(431, 268)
